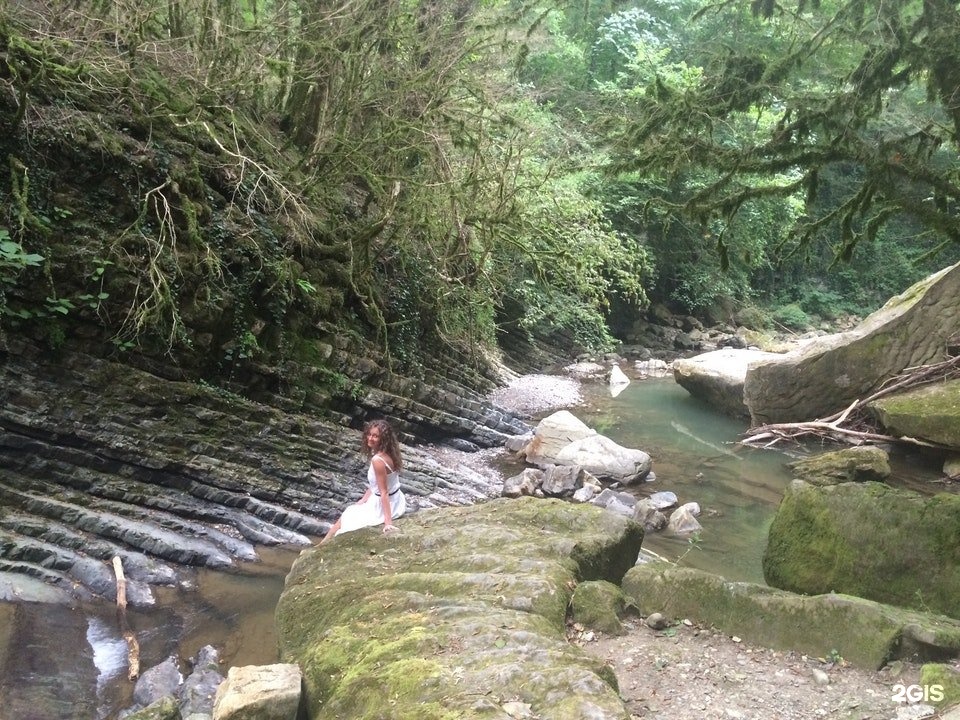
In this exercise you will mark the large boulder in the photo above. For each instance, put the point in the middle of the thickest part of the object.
(717, 377)
(866, 633)
(563, 439)
(552, 434)
(870, 540)
(461, 614)
(930, 413)
(604, 459)
(831, 372)
(260, 692)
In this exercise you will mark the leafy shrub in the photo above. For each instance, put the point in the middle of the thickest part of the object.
(825, 303)
(791, 316)
(753, 317)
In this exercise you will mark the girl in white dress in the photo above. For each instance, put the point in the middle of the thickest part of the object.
(383, 500)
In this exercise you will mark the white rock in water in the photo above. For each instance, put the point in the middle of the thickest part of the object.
(618, 377)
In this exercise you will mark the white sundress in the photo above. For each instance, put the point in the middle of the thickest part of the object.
(370, 512)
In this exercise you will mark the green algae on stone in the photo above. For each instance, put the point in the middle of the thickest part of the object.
(166, 708)
(855, 464)
(947, 678)
(598, 605)
(866, 633)
(460, 613)
(869, 540)
(929, 412)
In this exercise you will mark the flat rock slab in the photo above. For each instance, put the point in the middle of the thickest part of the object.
(461, 614)
(717, 377)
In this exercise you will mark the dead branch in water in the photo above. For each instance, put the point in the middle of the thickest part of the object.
(133, 647)
(851, 425)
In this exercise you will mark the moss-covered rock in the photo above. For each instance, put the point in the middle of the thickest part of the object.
(461, 612)
(869, 540)
(947, 678)
(865, 633)
(930, 413)
(598, 605)
(166, 708)
(854, 464)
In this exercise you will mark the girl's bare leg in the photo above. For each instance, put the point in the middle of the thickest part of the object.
(334, 529)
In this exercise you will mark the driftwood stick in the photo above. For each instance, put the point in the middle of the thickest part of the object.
(846, 413)
(133, 647)
(789, 431)
(121, 583)
(133, 656)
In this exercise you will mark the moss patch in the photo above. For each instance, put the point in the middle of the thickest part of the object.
(869, 540)
(856, 464)
(948, 680)
(165, 708)
(599, 605)
(466, 603)
(865, 633)
(930, 412)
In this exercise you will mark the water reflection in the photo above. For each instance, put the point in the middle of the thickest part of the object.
(109, 652)
(70, 663)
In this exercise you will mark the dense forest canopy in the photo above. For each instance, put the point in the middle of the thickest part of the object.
(231, 179)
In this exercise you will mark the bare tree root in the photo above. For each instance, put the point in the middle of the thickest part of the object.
(153, 295)
(263, 184)
(852, 425)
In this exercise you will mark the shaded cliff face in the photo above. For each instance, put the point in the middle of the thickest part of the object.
(141, 223)
(99, 459)
(186, 367)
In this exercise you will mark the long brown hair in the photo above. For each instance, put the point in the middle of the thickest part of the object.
(388, 441)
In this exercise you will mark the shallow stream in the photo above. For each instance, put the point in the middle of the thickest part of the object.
(59, 654)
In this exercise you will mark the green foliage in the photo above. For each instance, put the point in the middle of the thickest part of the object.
(694, 542)
(443, 167)
(833, 102)
(556, 66)
(754, 317)
(791, 316)
(771, 169)
(624, 40)
(567, 263)
(13, 261)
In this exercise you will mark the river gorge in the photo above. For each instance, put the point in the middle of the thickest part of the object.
(69, 660)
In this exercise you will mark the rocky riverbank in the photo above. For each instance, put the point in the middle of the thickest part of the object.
(685, 671)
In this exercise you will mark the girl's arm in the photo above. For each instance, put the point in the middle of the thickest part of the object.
(380, 471)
